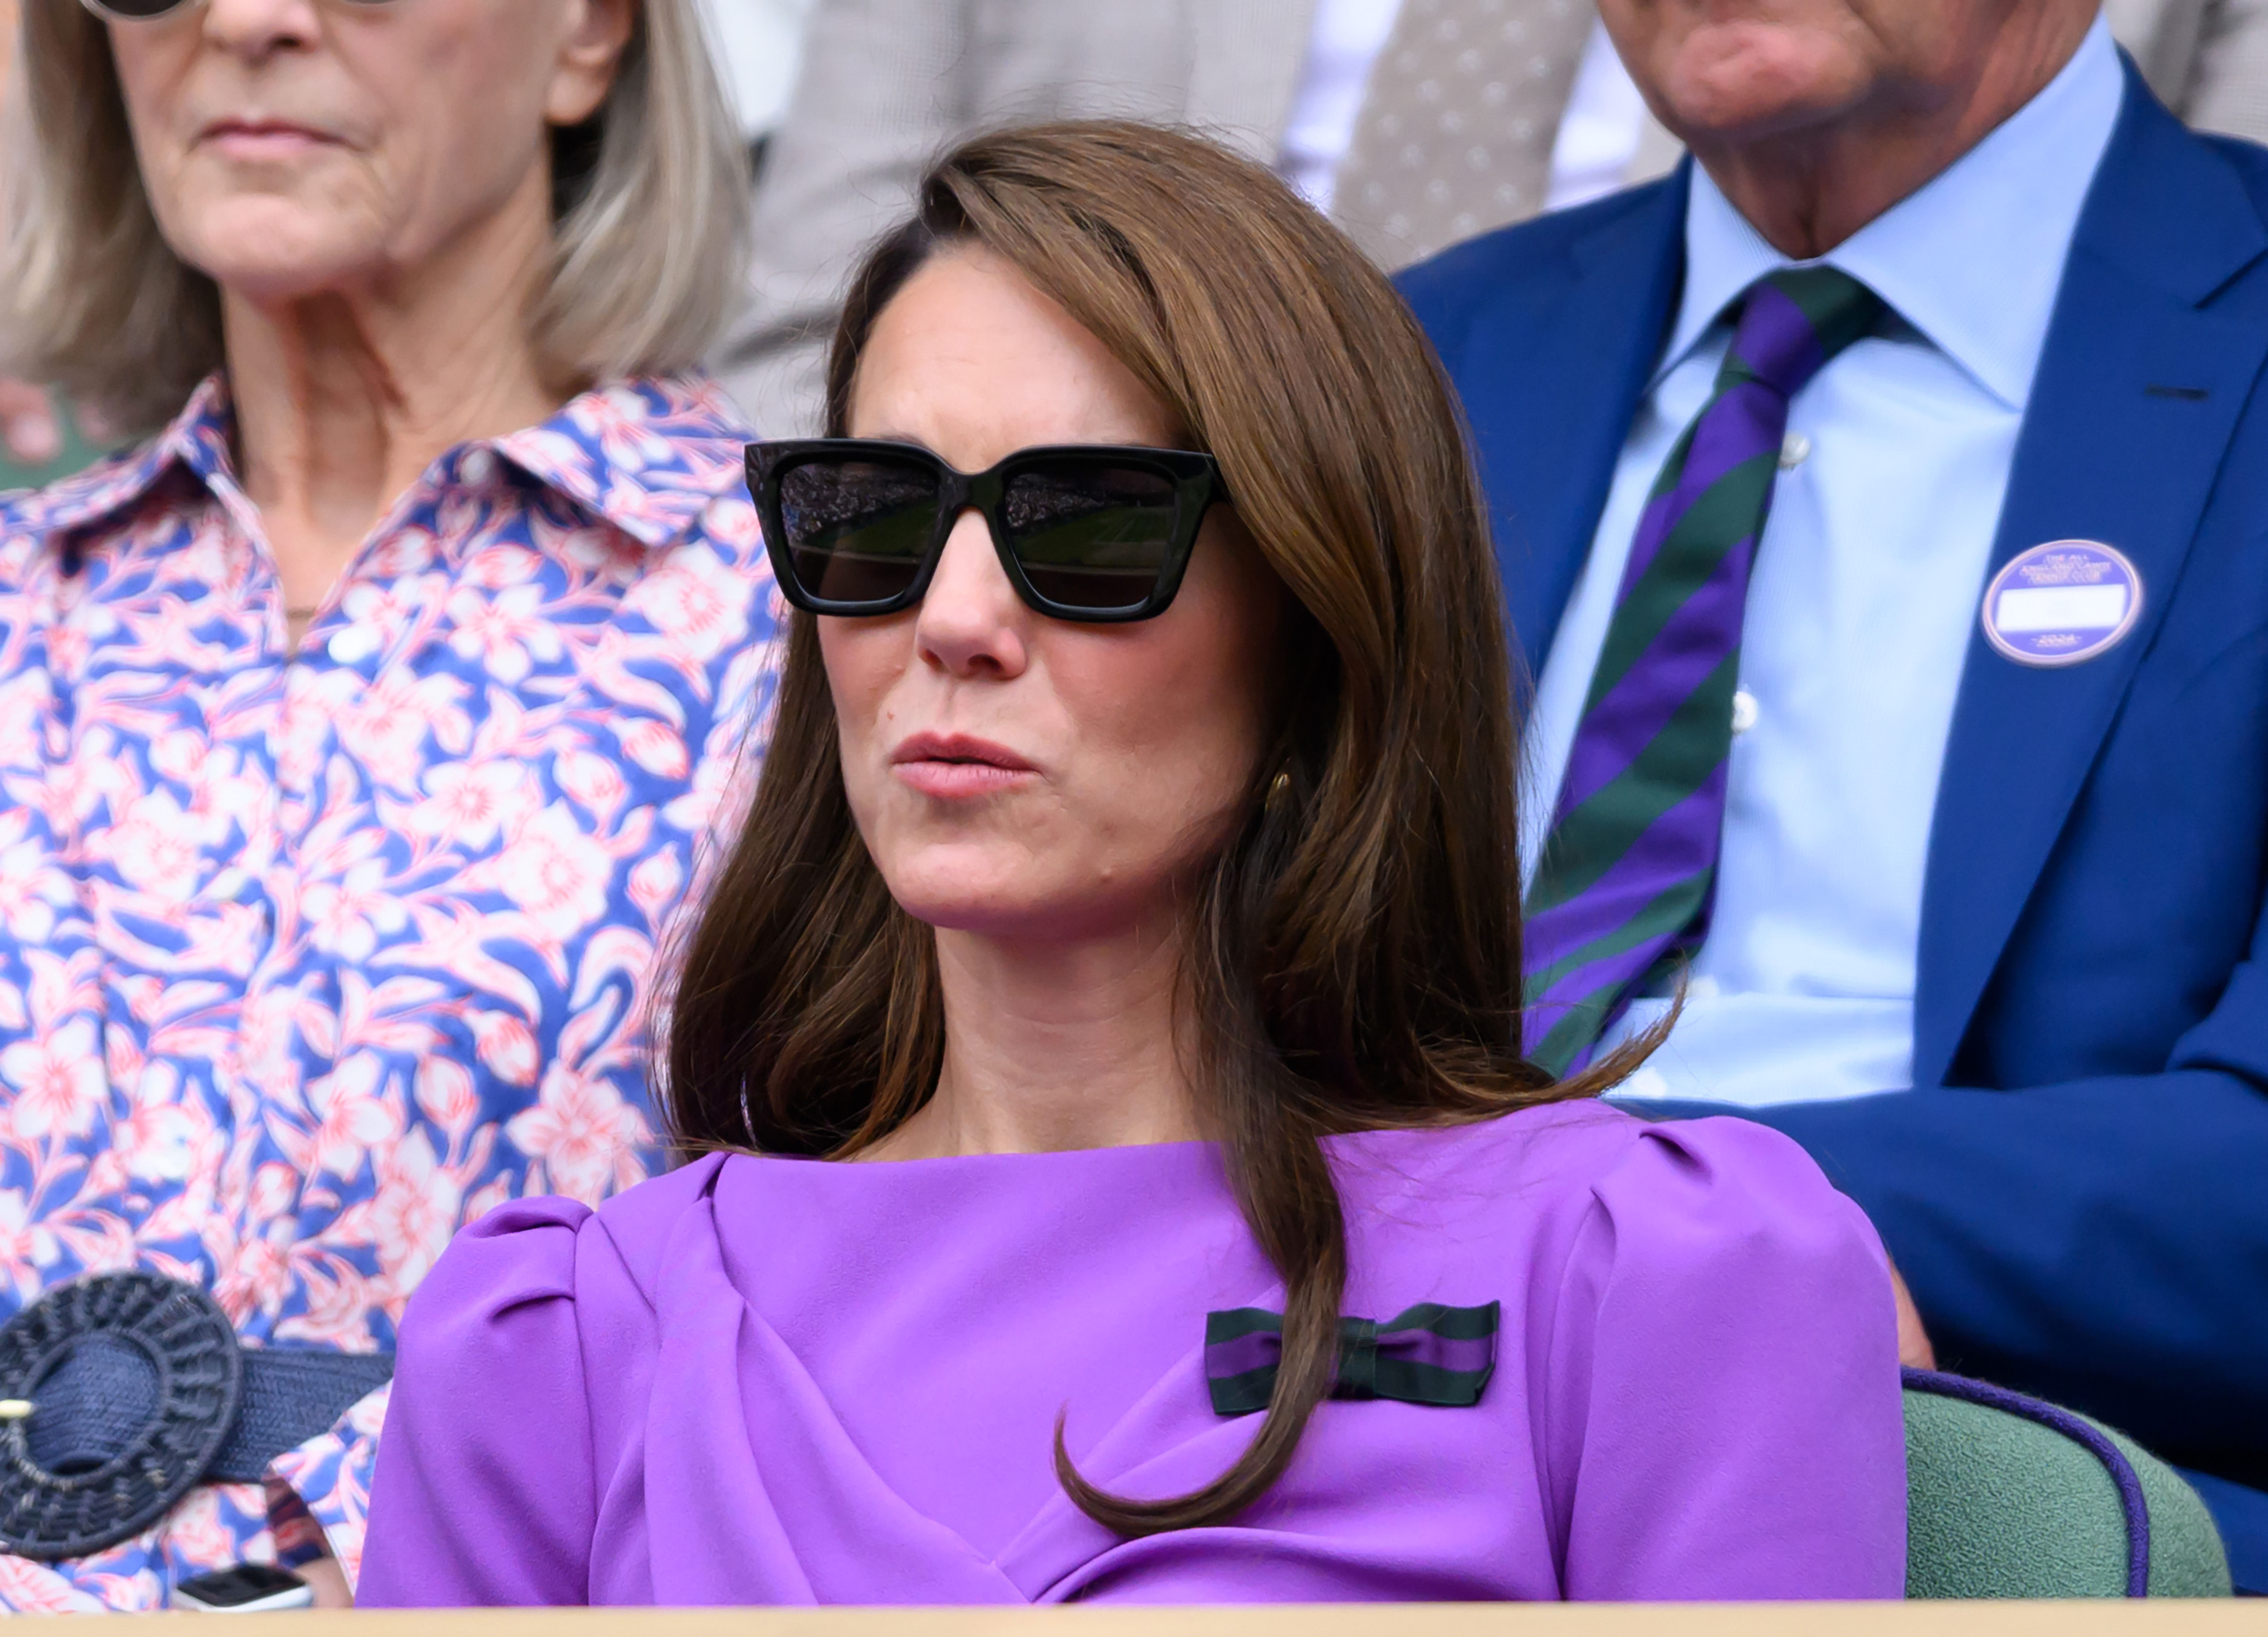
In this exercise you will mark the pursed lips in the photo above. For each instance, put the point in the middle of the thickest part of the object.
(958, 767)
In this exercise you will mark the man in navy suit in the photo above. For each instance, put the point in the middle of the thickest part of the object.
(1882, 506)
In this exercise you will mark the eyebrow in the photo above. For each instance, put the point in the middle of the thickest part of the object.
(921, 444)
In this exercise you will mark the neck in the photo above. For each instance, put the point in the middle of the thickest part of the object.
(343, 398)
(1053, 1045)
(1807, 187)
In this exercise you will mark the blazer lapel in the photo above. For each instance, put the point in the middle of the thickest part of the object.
(1551, 375)
(2139, 392)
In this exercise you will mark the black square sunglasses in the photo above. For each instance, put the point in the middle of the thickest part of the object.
(143, 11)
(1085, 532)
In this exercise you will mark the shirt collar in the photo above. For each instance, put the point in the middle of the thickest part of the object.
(648, 456)
(197, 439)
(1972, 259)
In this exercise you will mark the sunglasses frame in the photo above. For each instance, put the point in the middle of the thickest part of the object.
(1196, 476)
(108, 14)
(111, 14)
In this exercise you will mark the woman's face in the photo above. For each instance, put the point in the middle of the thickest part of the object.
(1012, 774)
(295, 147)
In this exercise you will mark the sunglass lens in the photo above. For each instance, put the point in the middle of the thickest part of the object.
(858, 530)
(133, 11)
(1090, 535)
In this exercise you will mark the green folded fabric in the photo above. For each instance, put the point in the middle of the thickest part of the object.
(2010, 1497)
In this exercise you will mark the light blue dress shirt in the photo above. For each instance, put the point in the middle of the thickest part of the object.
(1867, 583)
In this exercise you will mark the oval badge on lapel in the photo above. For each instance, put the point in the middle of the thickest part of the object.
(2063, 602)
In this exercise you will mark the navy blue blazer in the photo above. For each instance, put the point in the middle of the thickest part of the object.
(2076, 1186)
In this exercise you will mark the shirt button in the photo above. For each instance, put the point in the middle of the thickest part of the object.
(476, 468)
(1794, 450)
(1744, 711)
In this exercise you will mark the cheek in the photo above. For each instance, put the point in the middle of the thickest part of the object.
(1929, 40)
(864, 661)
(470, 91)
(154, 61)
(1222, 663)
(457, 142)
(1172, 727)
(1631, 25)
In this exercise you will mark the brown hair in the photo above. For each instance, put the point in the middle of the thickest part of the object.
(1353, 956)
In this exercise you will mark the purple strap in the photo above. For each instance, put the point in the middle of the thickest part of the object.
(2122, 1475)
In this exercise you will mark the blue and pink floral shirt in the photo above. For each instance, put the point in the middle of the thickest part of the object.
(308, 957)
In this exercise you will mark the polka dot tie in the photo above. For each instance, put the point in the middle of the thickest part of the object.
(1457, 126)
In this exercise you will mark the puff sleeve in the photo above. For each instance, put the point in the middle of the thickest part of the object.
(485, 1492)
(1723, 1416)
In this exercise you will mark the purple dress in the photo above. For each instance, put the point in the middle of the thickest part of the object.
(774, 1380)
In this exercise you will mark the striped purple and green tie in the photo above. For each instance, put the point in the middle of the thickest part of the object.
(1629, 870)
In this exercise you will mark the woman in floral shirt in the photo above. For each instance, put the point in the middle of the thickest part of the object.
(359, 731)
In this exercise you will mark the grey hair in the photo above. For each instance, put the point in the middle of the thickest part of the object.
(650, 202)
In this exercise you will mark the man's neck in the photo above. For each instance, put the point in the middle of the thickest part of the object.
(343, 399)
(1809, 187)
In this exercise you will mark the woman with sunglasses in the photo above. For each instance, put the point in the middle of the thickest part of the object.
(1114, 1174)
(358, 724)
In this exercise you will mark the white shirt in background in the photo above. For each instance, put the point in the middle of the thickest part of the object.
(1346, 39)
(758, 44)
(1599, 133)
(1598, 136)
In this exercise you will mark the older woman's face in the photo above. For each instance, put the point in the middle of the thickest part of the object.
(292, 147)
(1013, 774)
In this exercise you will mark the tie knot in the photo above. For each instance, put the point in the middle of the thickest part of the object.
(1795, 321)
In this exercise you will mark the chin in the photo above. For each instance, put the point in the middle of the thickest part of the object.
(956, 908)
(266, 250)
(1005, 898)
(1747, 78)
(963, 889)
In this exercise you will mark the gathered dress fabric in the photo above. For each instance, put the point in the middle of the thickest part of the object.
(765, 1379)
(310, 953)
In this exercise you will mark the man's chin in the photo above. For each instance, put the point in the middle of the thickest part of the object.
(1740, 81)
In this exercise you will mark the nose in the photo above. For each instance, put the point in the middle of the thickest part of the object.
(255, 29)
(971, 624)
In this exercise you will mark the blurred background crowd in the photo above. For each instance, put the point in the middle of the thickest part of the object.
(1414, 123)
